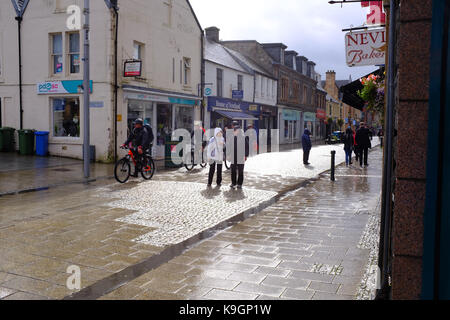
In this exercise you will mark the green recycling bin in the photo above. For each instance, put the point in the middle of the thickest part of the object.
(171, 154)
(26, 142)
(7, 139)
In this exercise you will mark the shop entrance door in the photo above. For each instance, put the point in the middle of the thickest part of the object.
(291, 133)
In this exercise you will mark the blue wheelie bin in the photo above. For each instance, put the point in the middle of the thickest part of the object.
(42, 143)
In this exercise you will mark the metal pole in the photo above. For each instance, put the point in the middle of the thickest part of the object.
(86, 92)
(333, 164)
(386, 214)
(19, 23)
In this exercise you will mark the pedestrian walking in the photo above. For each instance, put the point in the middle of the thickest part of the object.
(363, 140)
(237, 156)
(215, 156)
(380, 136)
(307, 145)
(348, 145)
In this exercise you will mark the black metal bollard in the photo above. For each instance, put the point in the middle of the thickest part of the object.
(333, 163)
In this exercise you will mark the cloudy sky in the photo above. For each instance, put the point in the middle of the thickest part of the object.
(313, 28)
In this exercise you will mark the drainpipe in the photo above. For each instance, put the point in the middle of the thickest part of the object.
(384, 259)
(116, 79)
(202, 80)
(19, 24)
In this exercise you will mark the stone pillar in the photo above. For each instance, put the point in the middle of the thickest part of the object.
(413, 57)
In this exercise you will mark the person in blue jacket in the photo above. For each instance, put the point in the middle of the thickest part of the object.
(306, 144)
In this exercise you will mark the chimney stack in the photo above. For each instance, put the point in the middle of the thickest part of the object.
(212, 33)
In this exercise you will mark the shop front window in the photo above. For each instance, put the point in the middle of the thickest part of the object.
(139, 109)
(164, 123)
(184, 118)
(66, 117)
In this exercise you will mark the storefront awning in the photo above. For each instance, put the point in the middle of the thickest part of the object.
(235, 115)
(350, 91)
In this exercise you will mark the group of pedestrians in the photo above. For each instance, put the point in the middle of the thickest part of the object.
(215, 152)
(358, 142)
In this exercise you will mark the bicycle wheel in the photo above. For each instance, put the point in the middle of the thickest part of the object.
(122, 170)
(148, 169)
(189, 162)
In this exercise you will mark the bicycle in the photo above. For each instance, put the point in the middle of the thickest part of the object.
(122, 169)
(189, 162)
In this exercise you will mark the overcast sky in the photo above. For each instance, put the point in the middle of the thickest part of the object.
(313, 28)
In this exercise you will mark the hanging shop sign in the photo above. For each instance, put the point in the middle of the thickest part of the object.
(366, 48)
(321, 114)
(59, 87)
(133, 68)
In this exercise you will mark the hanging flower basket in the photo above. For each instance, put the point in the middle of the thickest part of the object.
(373, 93)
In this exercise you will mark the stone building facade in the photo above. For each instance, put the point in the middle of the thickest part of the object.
(164, 35)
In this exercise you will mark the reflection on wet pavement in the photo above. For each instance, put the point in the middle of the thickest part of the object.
(43, 233)
(309, 245)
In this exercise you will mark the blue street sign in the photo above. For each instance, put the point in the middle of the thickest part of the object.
(238, 94)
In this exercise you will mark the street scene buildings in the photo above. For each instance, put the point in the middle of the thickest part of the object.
(335, 227)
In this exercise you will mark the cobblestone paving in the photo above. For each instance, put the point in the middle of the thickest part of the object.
(180, 210)
(312, 244)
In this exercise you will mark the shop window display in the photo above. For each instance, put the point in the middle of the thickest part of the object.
(164, 123)
(139, 109)
(66, 117)
(184, 118)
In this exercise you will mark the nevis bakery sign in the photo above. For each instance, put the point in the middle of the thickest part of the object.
(366, 48)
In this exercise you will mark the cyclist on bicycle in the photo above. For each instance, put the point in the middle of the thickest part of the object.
(141, 137)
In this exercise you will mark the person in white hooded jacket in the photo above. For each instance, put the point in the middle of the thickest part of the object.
(215, 156)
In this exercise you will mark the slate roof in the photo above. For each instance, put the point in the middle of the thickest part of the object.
(249, 63)
(217, 53)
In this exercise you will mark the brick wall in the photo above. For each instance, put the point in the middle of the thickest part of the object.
(413, 58)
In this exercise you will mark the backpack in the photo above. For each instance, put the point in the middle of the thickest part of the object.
(149, 132)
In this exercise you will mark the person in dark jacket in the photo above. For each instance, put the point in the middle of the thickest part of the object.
(348, 145)
(141, 137)
(307, 145)
(363, 142)
(237, 157)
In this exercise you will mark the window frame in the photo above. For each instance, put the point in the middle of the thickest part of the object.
(69, 53)
(240, 82)
(53, 55)
(187, 68)
(219, 88)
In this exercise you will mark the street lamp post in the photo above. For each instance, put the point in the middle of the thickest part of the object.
(86, 92)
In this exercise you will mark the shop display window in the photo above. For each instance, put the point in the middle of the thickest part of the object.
(164, 123)
(66, 117)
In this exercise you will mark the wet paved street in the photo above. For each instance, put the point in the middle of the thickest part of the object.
(309, 245)
(109, 233)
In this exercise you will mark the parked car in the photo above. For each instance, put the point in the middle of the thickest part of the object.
(339, 136)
